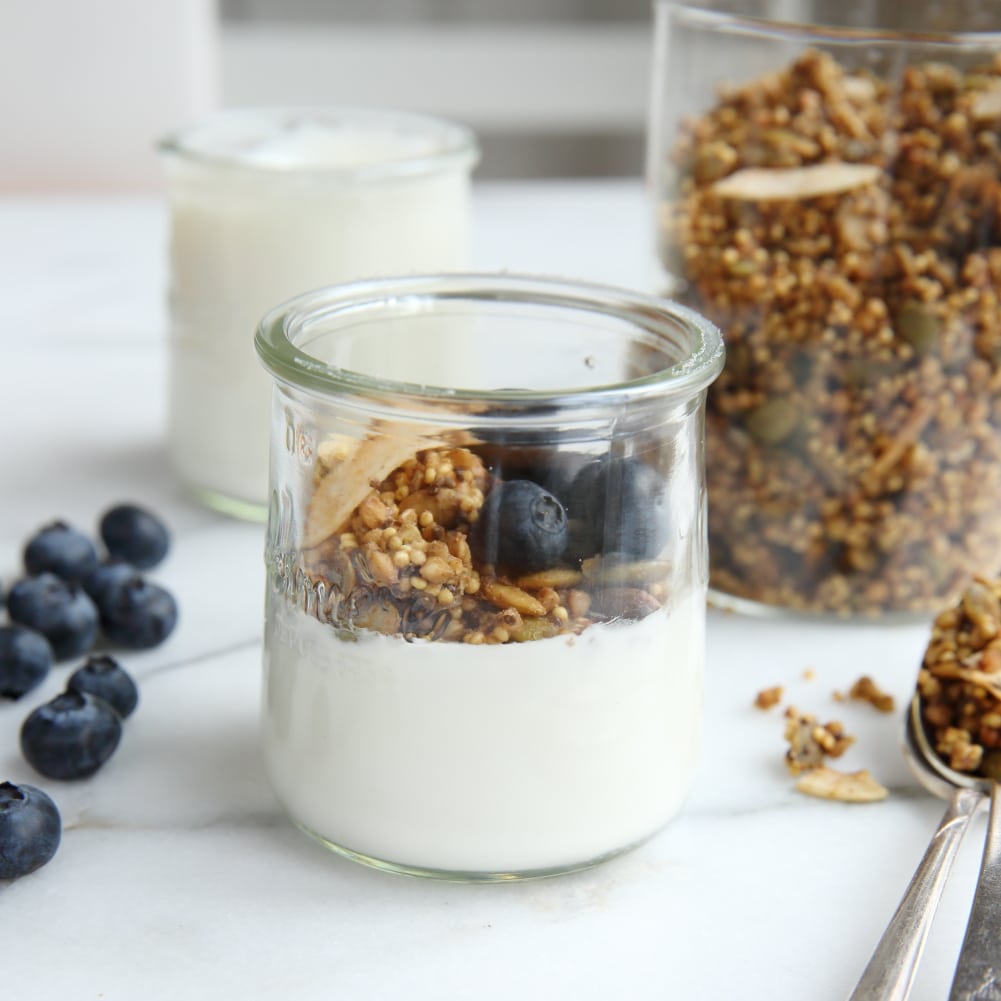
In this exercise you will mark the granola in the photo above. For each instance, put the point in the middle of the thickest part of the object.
(390, 545)
(844, 231)
(959, 683)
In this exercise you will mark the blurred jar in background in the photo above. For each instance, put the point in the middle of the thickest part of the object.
(828, 185)
(267, 204)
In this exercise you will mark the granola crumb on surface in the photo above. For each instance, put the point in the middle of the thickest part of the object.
(768, 697)
(866, 690)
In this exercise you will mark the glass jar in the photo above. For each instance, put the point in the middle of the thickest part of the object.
(484, 633)
(828, 188)
(264, 205)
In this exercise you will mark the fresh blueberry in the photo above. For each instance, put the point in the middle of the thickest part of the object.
(30, 829)
(71, 736)
(25, 660)
(61, 550)
(133, 534)
(106, 679)
(619, 506)
(521, 528)
(138, 614)
(105, 578)
(60, 611)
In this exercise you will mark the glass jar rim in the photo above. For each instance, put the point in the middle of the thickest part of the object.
(446, 143)
(653, 315)
(698, 13)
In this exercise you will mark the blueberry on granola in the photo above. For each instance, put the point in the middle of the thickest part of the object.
(521, 528)
(619, 506)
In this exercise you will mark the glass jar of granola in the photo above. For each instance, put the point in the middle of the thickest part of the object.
(828, 191)
(486, 559)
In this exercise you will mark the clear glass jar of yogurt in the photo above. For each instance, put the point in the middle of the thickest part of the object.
(266, 204)
(487, 567)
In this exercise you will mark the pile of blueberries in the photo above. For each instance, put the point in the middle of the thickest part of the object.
(68, 601)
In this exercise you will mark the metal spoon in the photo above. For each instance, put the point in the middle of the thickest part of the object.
(978, 972)
(890, 972)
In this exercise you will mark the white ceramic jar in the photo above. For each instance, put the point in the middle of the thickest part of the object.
(267, 204)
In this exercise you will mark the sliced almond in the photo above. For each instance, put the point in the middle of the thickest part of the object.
(788, 183)
(987, 103)
(845, 787)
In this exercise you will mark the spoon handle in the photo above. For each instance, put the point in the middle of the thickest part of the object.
(978, 973)
(890, 972)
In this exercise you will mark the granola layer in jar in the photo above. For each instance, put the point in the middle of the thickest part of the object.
(840, 219)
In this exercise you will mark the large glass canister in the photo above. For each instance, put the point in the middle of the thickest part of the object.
(266, 204)
(486, 559)
(828, 191)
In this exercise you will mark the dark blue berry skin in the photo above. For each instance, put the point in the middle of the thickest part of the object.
(133, 534)
(60, 611)
(138, 614)
(521, 528)
(25, 660)
(104, 678)
(105, 578)
(619, 506)
(62, 550)
(30, 829)
(71, 736)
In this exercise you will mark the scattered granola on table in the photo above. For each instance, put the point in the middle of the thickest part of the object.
(768, 697)
(845, 787)
(866, 690)
(844, 232)
(959, 683)
(810, 742)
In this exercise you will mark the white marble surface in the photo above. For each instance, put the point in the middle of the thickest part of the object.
(178, 876)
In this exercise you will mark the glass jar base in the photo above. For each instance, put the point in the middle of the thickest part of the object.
(464, 876)
(234, 507)
(724, 602)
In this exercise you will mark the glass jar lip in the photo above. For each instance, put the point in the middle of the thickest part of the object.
(227, 139)
(689, 376)
(697, 12)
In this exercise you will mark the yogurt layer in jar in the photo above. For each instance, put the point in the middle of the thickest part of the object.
(485, 614)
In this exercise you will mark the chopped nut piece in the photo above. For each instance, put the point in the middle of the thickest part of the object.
(768, 697)
(810, 742)
(845, 787)
(866, 690)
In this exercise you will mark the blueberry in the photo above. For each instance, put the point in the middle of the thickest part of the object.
(61, 550)
(138, 614)
(71, 736)
(60, 611)
(30, 829)
(619, 506)
(104, 678)
(25, 660)
(102, 580)
(521, 528)
(133, 534)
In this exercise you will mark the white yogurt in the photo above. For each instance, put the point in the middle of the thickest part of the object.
(520, 758)
(264, 206)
